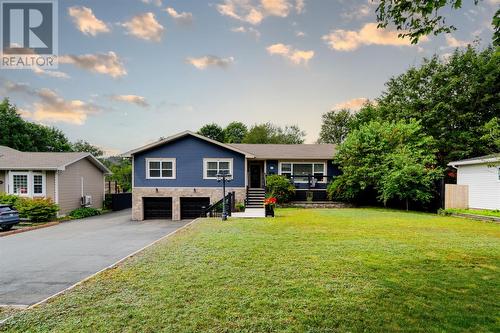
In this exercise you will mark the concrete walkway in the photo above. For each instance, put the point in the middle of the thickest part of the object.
(40, 263)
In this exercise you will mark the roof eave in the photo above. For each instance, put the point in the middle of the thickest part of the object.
(132, 152)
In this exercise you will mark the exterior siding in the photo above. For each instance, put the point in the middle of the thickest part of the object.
(189, 153)
(3, 181)
(50, 185)
(484, 185)
(70, 185)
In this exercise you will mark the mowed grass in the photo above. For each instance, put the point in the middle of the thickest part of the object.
(336, 270)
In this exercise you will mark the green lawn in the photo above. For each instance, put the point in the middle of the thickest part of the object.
(494, 213)
(324, 270)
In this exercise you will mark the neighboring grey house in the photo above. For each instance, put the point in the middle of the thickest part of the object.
(63, 177)
(481, 175)
(175, 178)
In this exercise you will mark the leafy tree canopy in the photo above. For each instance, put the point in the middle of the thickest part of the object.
(235, 132)
(396, 159)
(212, 131)
(84, 146)
(19, 134)
(335, 126)
(417, 18)
(452, 99)
(269, 133)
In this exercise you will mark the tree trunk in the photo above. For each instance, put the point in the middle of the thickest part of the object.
(406, 204)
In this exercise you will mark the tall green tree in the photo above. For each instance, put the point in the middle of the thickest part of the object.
(491, 133)
(417, 18)
(269, 133)
(84, 146)
(22, 135)
(335, 126)
(212, 131)
(452, 99)
(235, 132)
(395, 159)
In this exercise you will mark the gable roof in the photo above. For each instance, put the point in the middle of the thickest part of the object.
(11, 159)
(477, 160)
(181, 135)
(286, 151)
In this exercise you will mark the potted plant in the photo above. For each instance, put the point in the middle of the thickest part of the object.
(269, 204)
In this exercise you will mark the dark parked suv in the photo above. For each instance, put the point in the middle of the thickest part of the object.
(8, 217)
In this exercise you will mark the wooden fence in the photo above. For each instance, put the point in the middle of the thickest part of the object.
(456, 196)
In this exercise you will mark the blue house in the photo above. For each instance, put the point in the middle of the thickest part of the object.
(176, 177)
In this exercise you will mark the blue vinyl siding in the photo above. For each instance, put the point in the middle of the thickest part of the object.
(189, 153)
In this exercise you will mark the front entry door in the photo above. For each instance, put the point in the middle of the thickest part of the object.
(255, 179)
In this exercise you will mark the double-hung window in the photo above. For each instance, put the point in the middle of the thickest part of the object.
(160, 168)
(217, 166)
(27, 183)
(298, 169)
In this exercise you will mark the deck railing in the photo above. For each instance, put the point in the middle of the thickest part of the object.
(215, 210)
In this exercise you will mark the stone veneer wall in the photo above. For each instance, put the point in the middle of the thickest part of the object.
(214, 193)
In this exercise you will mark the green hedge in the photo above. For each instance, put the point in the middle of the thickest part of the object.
(80, 213)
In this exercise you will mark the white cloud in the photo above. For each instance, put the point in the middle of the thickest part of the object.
(300, 5)
(369, 34)
(453, 42)
(210, 61)
(132, 99)
(359, 12)
(145, 26)
(254, 11)
(50, 107)
(157, 3)
(180, 18)
(295, 56)
(51, 73)
(353, 104)
(86, 22)
(300, 34)
(279, 8)
(249, 30)
(102, 63)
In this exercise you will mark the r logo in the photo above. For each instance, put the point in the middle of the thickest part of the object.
(28, 27)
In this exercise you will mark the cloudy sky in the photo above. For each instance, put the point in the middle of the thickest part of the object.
(134, 70)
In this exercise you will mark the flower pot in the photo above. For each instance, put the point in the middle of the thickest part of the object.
(269, 210)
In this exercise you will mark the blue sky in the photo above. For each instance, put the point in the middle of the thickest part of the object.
(132, 71)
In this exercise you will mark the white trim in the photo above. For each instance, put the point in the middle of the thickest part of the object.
(246, 172)
(133, 171)
(30, 183)
(161, 160)
(493, 159)
(325, 173)
(56, 187)
(180, 135)
(210, 159)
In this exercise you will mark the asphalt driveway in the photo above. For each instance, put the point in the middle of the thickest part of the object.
(37, 264)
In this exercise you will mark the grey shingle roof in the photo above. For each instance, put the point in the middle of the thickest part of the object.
(493, 158)
(11, 159)
(283, 151)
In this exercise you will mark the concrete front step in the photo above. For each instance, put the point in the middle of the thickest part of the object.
(250, 213)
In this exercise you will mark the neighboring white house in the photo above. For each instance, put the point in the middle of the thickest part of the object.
(482, 175)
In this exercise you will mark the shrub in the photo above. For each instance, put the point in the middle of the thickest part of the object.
(280, 187)
(37, 209)
(80, 213)
(8, 199)
(240, 207)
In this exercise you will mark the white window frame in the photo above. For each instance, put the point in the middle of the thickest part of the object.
(161, 160)
(205, 166)
(30, 183)
(304, 162)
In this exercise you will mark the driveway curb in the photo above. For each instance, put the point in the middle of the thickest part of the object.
(114, 265)
(18, 231)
